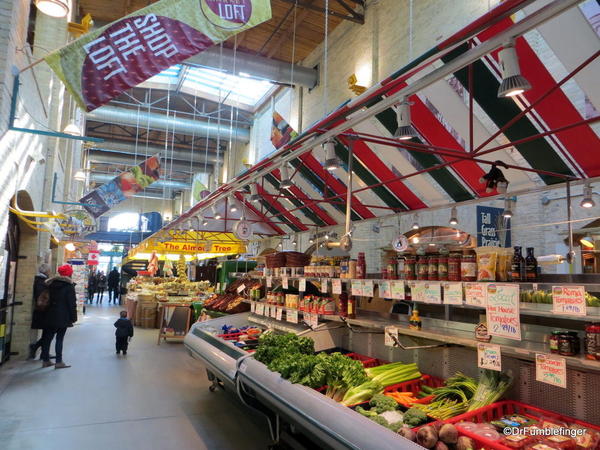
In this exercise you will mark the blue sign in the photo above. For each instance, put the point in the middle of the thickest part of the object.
(493, 230)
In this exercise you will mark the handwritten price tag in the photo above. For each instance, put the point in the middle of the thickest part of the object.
(252, 306)
(324, 285)
(385, 290)
(475, 294)
(432, 293)
(302, 285)
(269, 281)
(502, 311)
(260, 309)
(388, 339)
(279, 314)
(356, 287)
(489, 357)
(453, 294)
(336, 286)
(313, 320)
(551, 370)
(397, 289)
(569, 300)
(367, 288)
(291, 315)
(240, 288)
(284, 283)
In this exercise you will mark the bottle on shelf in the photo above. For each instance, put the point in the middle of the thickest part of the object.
(468, 266)
(361, 266)
(351, 307)
(531, 266)
(352, 269)
(517, 268)
(414, 321)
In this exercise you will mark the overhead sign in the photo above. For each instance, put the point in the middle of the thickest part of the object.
(490, 228)
(102, 64)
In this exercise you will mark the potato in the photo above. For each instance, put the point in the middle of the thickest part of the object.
(448, 433)
(465, 443)
(439, 445)
(408, 433)
(427, 436)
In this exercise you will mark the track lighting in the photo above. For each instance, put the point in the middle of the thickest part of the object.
(204, 222)
(507, 213)
(513, 83)
(326, 236)
(311, 240)
(254, 197)
(495, 179)
(294, 242)
(232, 206)
(588, 201)
(453, 216)
(53, 8)
(216, 214)
(331, 160)
(405, 130)
(415, 225)
(285, 183)
(587, 242)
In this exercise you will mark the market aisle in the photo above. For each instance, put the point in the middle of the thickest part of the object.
(154, 398)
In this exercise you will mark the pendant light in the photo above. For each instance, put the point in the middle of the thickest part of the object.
(507, 213)
(72, 129)
(405, 130)
(513, 83)
(331, 160)
(53, 8)
(216, 214)
(285, 183)
(588, 201)
(204, 222)
(232, 206)
(415, 225)
(254, 197)
(453, 216)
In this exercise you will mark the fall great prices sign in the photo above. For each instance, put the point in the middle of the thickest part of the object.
(104, 63)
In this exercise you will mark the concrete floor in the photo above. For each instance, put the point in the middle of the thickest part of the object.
(156, 397)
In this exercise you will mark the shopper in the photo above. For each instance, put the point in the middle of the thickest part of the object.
(113, 286)
(60, 314)
(101, 284)
(39, 286)
(123, 333)
(91, 288)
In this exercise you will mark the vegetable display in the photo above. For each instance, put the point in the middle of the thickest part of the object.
(394, 373)
(492, 385)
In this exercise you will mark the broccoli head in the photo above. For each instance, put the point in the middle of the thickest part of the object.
(414, 417)
(395, 426)
(382, 403)
(380, 420)
(365, 412)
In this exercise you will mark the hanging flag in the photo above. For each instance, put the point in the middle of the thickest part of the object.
(127, 184)
(281, 131)
(102, 64)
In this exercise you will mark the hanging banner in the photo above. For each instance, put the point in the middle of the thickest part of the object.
(503, 317)
(126, 185)
(491, 231)
(104, 63)
(281, 131)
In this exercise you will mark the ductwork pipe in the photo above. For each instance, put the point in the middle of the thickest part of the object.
(160, 183)
(141, 119)
(255, 66)
(119, 158)
(199, 154)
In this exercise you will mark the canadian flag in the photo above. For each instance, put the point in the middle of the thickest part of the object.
(93, 258)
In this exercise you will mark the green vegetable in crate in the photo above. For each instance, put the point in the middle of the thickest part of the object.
(382, 403)
(444, 409)
(414, 417)
(272, 346)
(365, 412)
(362, 393)
(341, 374)
(394, 373)
(492, 385)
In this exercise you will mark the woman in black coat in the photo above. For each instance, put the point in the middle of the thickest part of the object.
(39, 285)
(60, 314)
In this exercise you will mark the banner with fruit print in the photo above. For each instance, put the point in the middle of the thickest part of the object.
(106, 62)
(126, 185)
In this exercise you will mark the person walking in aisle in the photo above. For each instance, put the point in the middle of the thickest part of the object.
(114, 286)
(91, 285)
(59, 315)
(101, 284)
(123, 332)
(39, 286)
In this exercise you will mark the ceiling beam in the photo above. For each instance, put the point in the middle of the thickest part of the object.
(360, 19)
(287, 34)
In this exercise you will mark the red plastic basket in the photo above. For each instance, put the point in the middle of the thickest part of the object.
(230, 336)
(366, 361)
(497, 410)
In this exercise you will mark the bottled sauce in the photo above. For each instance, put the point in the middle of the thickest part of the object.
(432, 271)
(422, 268)
(410, 267)
(352, 269)
(443, 268)
(343, 304)
(592, 341)
(361, 266)
(414, 321)
(568, 344)
(454, 267)
(530, 266)
(468, 267)
(392, 268)
(517, 267)
(351, 307)
(344, 267)
(553, 341)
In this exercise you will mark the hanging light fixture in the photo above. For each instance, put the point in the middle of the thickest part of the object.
(311, 240)
(73, 129)
(254, 197)
(495, 179)
(216, 214)
(587, 242)
(204, 221)
(415, 240)
(326, 236)
(294, 242)
(79, 175)
(513, 83)
(507, 213)
(285, 183)
(331, 160)
(405, 130)
(232, 205)
(415, 225)
(53, 8)
(71, 247)
(453, 216)
(588, 201)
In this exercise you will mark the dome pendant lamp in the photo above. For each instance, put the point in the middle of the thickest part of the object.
(513, 83)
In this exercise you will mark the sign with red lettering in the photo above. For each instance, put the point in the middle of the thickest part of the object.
(569, 300)
(551, 370)
(104, 63)
(503, 317)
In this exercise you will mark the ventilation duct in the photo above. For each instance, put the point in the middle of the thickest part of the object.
(199, 155)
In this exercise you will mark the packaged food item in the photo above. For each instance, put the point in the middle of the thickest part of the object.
(487, 259)
(443, 268)
(540, 446)
(568, 344)
(422, 268)
(517, 441)
(454, 267)
(592, 341)
(468, 267)
(503, 264)
(410, 267)
(432, 270)
(586, 440)
(487, 433)
(562, 442)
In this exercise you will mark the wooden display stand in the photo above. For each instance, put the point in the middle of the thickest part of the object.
(175, 317)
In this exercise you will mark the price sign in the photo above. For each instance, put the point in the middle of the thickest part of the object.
(417, 291)
(397, 289)
(502, 312)
(475, 294)
(284, 282)
(279, 314)
(336, 286)
(269, 281)
(569, 300)
(218, 287)
(260, 309)
(551, 370)
(388, 340)
(291, 315)
(313, 320)
(252, 306)
(385, 290)
(302, 285)
(240, 288)
(356, 286)
(324, 285)
(367, 288)
(273, 312)
(453, 294)
(432, 293)
(489, 357)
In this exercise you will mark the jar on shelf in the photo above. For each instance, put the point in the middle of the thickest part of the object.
(568, 344)
(392, 268)
(432, 270)
(553, 341)
(422, 268)
(454, 261)
(468, 267)
(443, 268)
(410, 267)
(592, 341)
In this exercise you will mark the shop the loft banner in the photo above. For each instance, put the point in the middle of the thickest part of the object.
(126, 185)
(102, 64)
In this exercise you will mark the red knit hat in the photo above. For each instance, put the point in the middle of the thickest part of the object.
(65, 270)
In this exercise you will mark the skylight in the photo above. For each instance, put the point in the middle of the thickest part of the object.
(241, 91)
